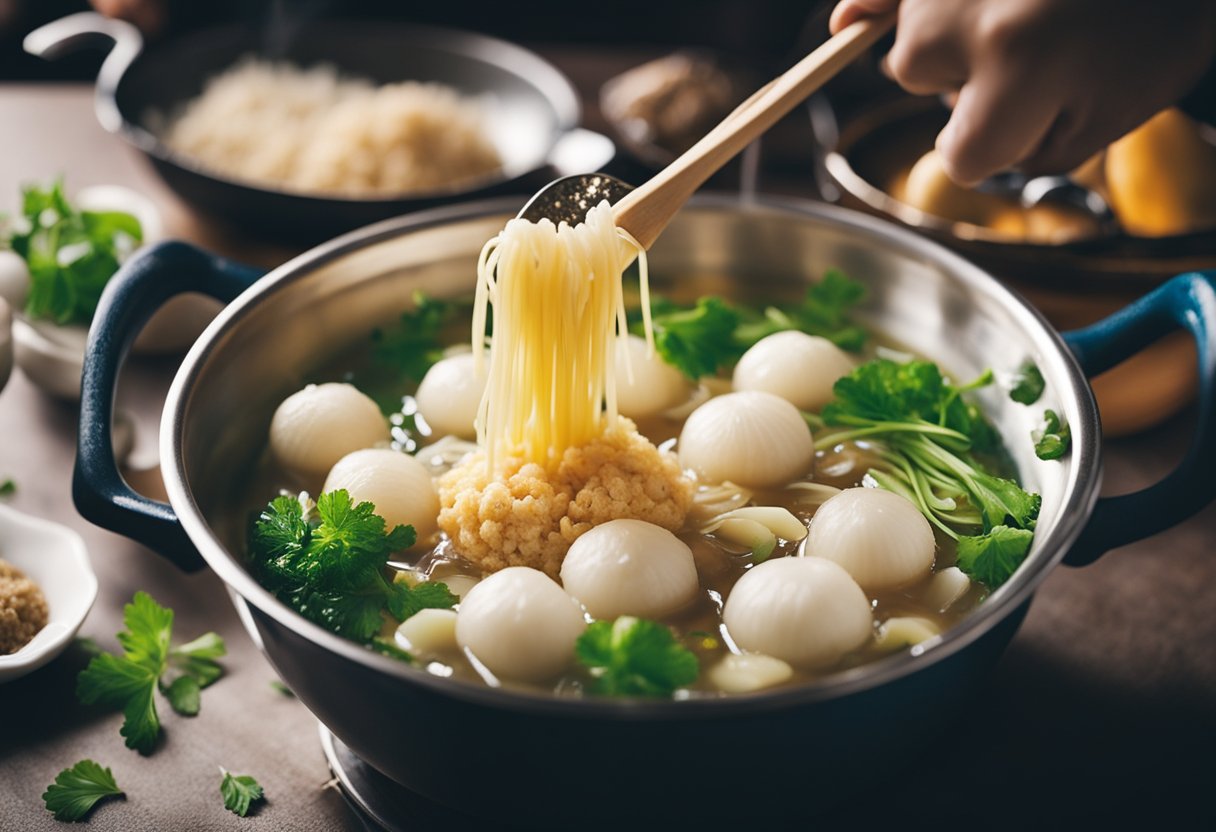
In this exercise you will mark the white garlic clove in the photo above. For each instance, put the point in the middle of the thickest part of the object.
(630, 567)
(520, 624)
(428, 634)
(945, 588)
(755, 439)
(398, 485)
(777, 520)
(905, 631)
(748, 672)
(755, 536)
(315, 427)
(450, 394)
(799, 368)
(879, 537)
(805, 611)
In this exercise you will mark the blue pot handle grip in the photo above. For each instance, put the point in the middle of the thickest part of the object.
(1187, 301)
(146, 281)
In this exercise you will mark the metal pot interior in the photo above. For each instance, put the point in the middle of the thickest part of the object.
(530, 105)
(266, 344)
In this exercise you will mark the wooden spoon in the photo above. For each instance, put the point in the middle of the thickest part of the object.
(645, 211)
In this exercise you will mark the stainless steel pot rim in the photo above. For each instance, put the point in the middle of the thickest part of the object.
(1081, 492)
(527, 64)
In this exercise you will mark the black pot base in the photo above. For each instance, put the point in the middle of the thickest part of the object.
(383, 805)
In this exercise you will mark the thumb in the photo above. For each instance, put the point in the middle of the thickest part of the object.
(850, 11)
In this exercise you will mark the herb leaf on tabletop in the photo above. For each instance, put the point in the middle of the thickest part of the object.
(328, 563)
(71, 254)
(635, 657)
(130, 681)
(78, 789)
(239, 792)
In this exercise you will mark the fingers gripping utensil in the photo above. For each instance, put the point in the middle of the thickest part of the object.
(645, 211)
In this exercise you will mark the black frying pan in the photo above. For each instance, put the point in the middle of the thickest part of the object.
(534, 109)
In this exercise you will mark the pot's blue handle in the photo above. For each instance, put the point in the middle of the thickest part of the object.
(1187, 301)
(142, 286)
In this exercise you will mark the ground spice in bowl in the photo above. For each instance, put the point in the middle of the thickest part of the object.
(23, 609)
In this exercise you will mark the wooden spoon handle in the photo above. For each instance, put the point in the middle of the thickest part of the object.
(645, 212)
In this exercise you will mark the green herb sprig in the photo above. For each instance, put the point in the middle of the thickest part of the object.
(328, 563)
(149, 662)
(926, 434)
(71, 254)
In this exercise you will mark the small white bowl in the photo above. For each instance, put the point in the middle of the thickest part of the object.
(51, 355)
(54, 557)
(6, 342)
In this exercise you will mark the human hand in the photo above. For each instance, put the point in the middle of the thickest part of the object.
(1042, 84)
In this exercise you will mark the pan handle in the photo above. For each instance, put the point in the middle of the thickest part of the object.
(145, 282)
(89, 29)
(1187, 301)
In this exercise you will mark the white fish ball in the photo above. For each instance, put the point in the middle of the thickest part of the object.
(799, 368)
(428, 633)
(630, 567)
(656, 385)
(753, 439)
(805, 611)
(879, 537)
(520, 624)
(450, 394)
(398, 485)
(748, 672)
(315, 427)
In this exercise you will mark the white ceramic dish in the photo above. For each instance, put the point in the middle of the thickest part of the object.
(6, 342)
(55, 558)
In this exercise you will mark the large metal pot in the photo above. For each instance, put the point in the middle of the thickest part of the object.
(538, 759)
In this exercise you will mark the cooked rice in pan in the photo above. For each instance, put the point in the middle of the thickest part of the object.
(311, 130)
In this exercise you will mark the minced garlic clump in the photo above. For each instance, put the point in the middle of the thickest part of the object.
(526, 516)
(23, 610)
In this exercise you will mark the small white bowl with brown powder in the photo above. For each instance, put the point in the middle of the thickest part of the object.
(47, 587)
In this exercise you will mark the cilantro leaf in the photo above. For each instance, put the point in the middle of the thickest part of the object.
(70, 254)
(239, 791)
(386, 647)
(8, 487)
(823, 311)
(145, 641)
(77, 790)
(699, 340)
(415, 344)
(993, 557)
(1053, 439)
(148, 662)
(184, 695)
(428, 595)
(1028, 384)
(635, 657)
(328, 564)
